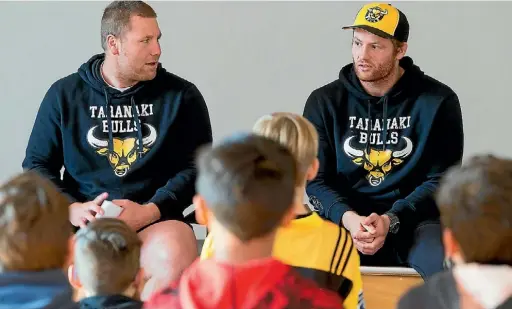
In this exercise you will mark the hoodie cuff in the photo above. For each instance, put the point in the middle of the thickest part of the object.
(400, 207)
(336, 211)
(164, 203)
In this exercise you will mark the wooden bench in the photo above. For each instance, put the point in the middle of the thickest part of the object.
(383, 286)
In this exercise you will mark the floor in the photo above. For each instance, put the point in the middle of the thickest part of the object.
(384, 292)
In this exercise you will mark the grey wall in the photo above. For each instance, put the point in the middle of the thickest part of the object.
(251, 58)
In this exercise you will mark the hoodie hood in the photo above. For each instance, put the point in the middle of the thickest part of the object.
(410, 77)
(395, 95)
(35, 290)
(110, 302)
(90, 72)
(489, 285)
(216, 285)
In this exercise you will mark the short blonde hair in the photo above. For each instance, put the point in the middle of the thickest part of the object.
(34, 224)
(294, 132)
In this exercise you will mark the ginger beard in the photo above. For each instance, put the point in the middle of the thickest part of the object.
(371, 71)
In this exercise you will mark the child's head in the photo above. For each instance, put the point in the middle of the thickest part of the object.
(475, 204)
(106, 259)
(246, 184)
(34, 225)
(298, 135)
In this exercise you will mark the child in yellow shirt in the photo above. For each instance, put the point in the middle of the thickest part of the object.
(317, 248)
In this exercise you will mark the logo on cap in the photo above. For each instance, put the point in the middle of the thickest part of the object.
(375, 14)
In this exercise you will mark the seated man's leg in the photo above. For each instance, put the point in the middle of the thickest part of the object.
(168, 248)
(426, 254)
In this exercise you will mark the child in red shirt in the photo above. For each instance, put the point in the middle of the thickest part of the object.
(246, 186)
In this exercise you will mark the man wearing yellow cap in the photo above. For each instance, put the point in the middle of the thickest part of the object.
(388, 132)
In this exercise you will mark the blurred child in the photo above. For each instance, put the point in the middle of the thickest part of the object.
(245, 191)
(106, 267)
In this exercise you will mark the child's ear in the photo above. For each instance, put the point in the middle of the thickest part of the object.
(313, 170)
(73, 278)
(288, 217)
(200, 210)
(139, 283)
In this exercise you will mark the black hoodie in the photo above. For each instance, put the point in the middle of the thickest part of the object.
(383, 153)
(138, 144)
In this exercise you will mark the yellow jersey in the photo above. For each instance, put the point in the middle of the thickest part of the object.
(320, 250)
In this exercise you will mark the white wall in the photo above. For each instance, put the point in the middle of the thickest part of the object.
(251, 58)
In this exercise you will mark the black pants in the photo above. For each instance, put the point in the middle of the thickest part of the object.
(420, 247)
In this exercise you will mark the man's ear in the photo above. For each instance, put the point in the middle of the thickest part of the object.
(73, 278)
(112, 44)
(401, 51)
(200, 210)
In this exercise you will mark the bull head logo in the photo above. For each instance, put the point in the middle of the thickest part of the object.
(375, 14)
(125, 149)
(377, 163)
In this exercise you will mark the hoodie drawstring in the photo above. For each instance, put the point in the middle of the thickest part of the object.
(384, 101)
(109, 120)
(369, 128)
(137, 125)
(385, 121)
(139, 128)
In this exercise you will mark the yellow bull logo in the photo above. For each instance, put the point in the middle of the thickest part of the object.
(124, 149)
(375, 14)
(378, 163)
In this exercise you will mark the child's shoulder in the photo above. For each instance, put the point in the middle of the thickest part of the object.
(309, 294)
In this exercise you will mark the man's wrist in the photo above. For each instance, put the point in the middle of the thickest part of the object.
(387, 221)
(153, 211)
(391, 221)
(347, 218)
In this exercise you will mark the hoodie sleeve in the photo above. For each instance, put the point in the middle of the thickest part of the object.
(444, 150)
(194, 121)
(321, 191)
(44, 152)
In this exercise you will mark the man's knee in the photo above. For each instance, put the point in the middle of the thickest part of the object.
(427, 252)
(168, 241)
(168, 248)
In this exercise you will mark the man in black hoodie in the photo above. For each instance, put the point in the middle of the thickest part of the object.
(126, 130)
(387, 133)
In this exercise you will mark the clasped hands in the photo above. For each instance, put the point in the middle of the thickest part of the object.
(368, 233)
(134, 214)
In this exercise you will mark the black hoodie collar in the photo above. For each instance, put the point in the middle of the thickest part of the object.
(412, 73)
(90, 72)
(110, 301)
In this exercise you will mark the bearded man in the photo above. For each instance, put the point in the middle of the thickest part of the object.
(388, 132)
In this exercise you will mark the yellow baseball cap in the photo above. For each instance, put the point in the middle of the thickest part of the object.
(383, 20)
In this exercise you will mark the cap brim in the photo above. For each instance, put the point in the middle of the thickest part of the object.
(370, 29)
